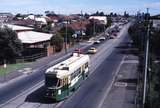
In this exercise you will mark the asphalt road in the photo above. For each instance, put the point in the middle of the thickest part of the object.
(94, 90)
(91, 93)
(17, 86)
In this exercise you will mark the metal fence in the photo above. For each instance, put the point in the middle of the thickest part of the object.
(31, 57)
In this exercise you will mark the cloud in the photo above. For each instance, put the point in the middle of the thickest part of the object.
(153, 5)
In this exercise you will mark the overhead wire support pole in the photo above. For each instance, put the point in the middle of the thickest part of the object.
(146, 61)
(66, 38)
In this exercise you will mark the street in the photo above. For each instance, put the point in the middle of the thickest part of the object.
(29, 91)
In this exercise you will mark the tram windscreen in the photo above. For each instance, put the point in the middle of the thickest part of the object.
(51, 81)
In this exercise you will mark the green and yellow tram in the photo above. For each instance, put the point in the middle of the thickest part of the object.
(66, 76)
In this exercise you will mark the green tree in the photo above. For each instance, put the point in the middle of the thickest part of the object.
(57, 42)
(10, 45)
(109, 21)
(69, 33)
(138, 33)
(90, 27)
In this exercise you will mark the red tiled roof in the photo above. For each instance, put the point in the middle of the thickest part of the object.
(78, 25)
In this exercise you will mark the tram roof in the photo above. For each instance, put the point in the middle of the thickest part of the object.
(70, 64)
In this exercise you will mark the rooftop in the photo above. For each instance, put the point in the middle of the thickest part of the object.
(18, 28)
(30, 37)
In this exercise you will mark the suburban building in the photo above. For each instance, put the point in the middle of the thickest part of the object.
(102, 19)
(156, 23)
(33, 42)
(41, 19)
(4, 17)
(18, 28)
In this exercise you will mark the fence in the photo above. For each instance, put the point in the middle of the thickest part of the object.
(31, 57)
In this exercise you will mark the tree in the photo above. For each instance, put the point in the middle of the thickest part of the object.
(101, 14)
(111, 14)
(57, 42)
(86, 15)
(47, 28)
(69, 33)
(126, 14)
(90, 28)
(98, 14)
(10, 45)
(137, 33)
(109, 21)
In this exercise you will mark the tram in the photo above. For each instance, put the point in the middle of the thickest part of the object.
(66, 76)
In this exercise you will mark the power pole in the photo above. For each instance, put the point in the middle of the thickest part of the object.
(146, 61)
(94, 26)
(66, 37)
(81, 24)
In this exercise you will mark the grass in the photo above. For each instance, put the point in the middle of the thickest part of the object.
(11, 68)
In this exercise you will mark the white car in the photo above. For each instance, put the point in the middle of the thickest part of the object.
(102, 38)
(97, 42)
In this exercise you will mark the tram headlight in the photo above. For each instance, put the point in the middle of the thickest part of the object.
(59, 92)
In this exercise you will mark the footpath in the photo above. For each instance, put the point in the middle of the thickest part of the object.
(124, 89)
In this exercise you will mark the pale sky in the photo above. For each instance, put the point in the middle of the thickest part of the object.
(75, 6)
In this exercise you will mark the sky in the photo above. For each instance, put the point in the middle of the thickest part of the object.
(75, 6)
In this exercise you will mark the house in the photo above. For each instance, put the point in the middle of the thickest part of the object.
(32, 41)
(79, 27)
(37, 18)
(156, 23)
(18, 28)
(102, 19)
(22, 22)
(4, 17)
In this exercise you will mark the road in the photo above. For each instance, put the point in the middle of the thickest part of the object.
(29, 90)
(26, 81)
(93, 91)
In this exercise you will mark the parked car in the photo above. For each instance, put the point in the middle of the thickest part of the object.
(114, 34)
(92, 50)
(102, 38)
(112, 37)
(97, 42)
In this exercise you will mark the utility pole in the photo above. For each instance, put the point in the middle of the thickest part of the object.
(81, 24)
(66, 37)
(94, 26)
(146, 61)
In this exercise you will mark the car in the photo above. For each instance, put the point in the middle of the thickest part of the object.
(97, 42)
(78, 50)
(107, 35)
(112, 37)
(115, 34)
(102, 38)
(92, 50)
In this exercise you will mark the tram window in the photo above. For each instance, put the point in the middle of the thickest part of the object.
(51, 81)
(59, 83)
(86, 65)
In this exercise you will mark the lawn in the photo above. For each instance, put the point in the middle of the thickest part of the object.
(11, 68)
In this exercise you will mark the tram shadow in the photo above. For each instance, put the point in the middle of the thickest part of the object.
(38, 96)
